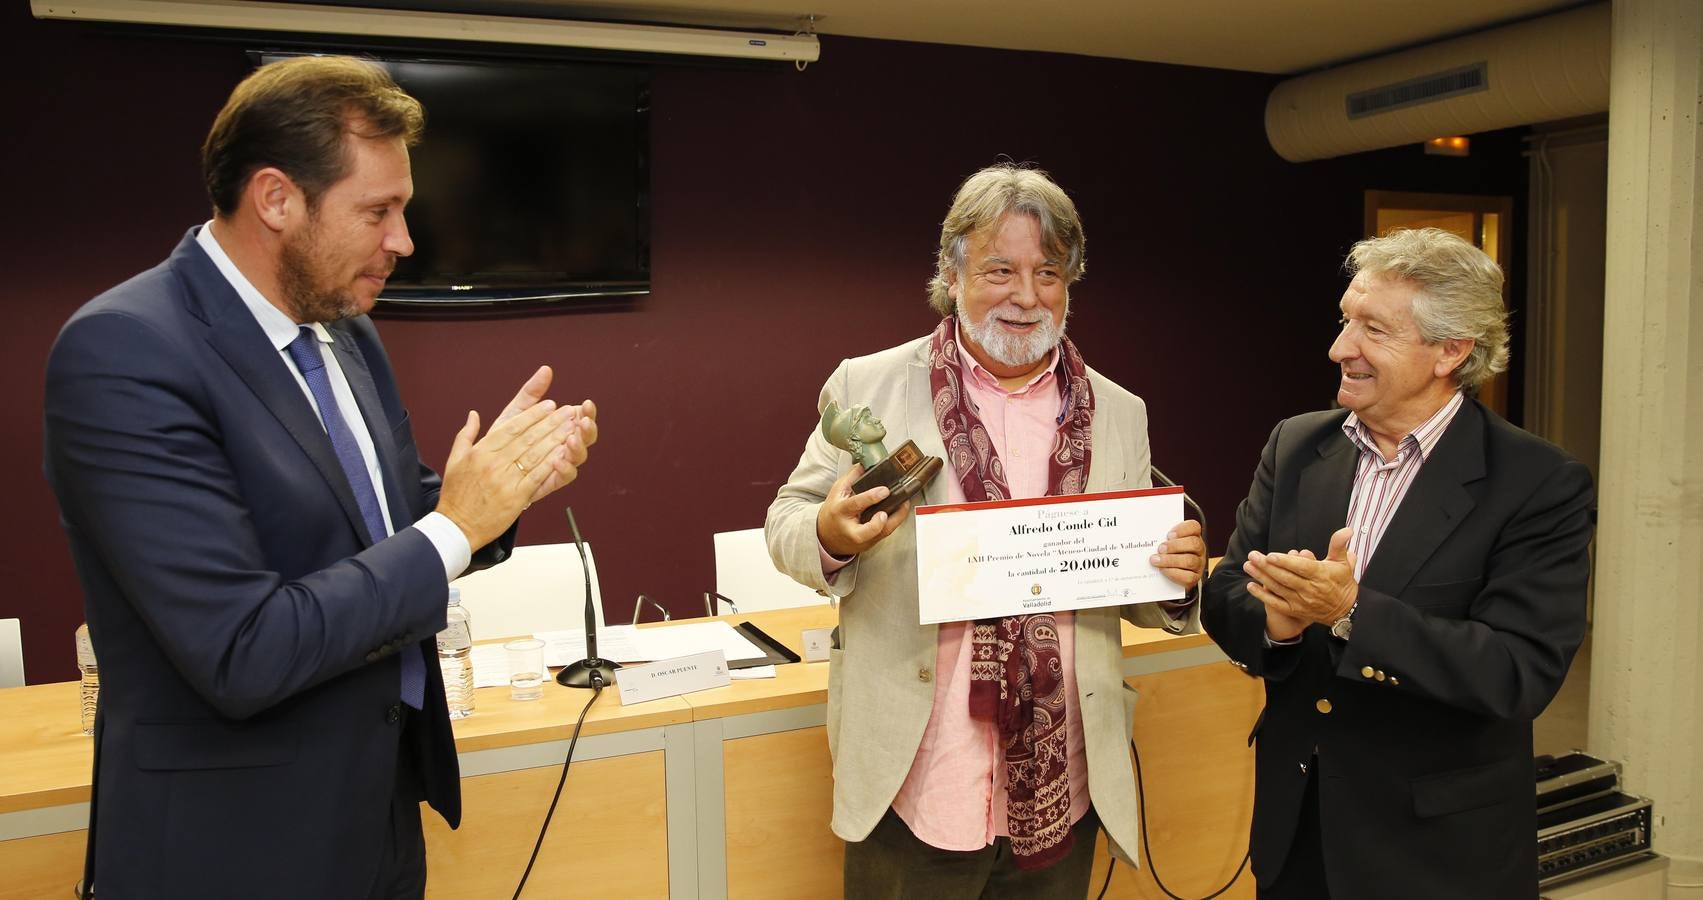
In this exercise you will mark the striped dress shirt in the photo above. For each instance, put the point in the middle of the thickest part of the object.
(1380, 484)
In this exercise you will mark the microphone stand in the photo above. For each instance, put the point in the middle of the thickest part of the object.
(591, 672)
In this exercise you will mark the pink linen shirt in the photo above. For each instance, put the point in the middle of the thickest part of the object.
(954, 796)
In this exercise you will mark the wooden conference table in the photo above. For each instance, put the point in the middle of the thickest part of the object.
(716, 794)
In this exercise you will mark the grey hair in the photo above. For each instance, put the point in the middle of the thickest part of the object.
(987, 197)
(1457, 296)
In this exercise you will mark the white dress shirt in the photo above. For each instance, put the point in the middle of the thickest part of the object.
(280, 329)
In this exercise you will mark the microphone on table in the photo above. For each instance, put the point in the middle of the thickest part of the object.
(591, 672)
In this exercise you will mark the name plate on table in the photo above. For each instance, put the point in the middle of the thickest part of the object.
(671, 677)
(817, 641)
(1046, 554)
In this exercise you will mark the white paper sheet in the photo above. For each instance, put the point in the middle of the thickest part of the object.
(687, 638)
(614, 642)
(625, 643)
(490, 666)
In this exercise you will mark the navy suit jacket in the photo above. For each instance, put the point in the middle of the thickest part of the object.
(249, 728)
(1468, 617)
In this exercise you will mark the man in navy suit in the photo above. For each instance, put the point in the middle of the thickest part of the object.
(1408, 577)
(264, 556)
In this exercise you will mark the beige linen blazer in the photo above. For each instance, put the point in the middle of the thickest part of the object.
(881, 677)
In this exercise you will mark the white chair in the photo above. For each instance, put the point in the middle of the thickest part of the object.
(539, 588)
(11, 654)
(745, 575)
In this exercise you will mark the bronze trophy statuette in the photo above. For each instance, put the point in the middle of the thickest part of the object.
(905, 472)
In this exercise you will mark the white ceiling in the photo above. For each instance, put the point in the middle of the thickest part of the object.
(1274, 36)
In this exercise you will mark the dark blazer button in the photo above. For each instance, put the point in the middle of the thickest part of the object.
(393, 714)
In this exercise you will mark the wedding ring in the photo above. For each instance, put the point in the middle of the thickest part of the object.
(520, 467)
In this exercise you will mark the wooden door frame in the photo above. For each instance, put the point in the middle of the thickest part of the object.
(1494, 393)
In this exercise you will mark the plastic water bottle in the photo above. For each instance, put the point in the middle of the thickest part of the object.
(91, 677)
(455, 657)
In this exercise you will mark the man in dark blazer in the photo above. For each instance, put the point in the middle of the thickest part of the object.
(1408, 577)
(264, 555)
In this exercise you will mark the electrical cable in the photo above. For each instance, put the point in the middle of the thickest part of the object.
(1140, 788)
(596, 691)
(1147, 846)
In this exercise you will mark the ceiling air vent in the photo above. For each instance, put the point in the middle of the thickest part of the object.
(1547, 70)
(1424, 89)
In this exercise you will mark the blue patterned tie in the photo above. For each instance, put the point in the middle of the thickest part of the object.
(305, 351)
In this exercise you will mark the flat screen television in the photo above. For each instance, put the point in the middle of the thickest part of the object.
(531, 185)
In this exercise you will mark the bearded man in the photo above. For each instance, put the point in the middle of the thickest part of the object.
(264, 555)
(935, 798)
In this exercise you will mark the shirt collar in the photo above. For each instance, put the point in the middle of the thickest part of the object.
(1424, 438)
(988, 378)
(279, 328)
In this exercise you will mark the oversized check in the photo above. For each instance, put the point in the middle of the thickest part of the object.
(1010, 557)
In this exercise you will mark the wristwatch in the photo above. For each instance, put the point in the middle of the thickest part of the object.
(1344, 626)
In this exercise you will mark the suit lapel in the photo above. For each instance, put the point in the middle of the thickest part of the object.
(1106, 454)
(1434, 505)
(238, 339)
(361, 384)
(1323, 492)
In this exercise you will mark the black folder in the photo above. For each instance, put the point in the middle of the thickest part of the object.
(775, 653)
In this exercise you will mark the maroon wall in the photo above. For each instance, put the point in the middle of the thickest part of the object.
(795, 219)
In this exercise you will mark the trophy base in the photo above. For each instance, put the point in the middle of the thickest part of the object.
(905, 473)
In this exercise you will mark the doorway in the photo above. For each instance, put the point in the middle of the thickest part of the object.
(1482, 220)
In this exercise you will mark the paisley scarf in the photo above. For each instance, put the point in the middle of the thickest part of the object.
(1016, 675)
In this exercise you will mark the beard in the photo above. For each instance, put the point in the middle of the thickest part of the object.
(303, 279)
(1014, 349)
